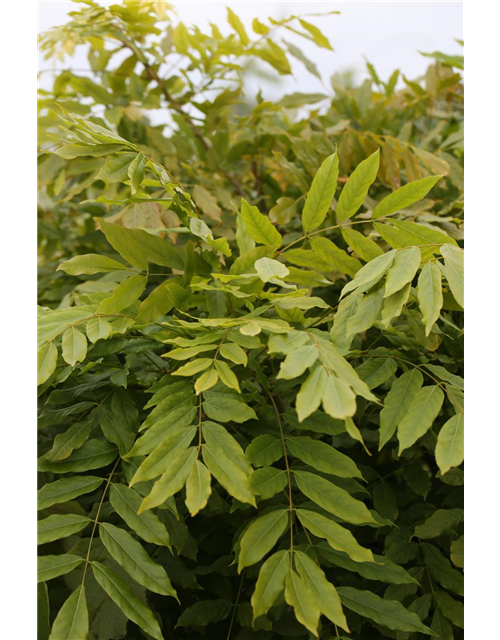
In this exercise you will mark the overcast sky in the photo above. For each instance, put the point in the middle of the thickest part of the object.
(389, 34)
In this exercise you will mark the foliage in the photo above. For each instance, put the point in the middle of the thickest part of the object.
(250, 341)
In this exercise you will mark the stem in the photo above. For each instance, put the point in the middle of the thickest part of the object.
(87, 559)
(288, 472)
(235, 607)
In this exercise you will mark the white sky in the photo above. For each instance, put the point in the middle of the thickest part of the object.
(389, 34)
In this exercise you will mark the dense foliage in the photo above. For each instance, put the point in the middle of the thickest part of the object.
(251, 335)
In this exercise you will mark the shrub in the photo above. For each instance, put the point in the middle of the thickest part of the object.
(250, 356)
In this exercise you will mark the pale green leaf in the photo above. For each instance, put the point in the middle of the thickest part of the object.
(258, 226)
(365, 248)
(129, 603)
(298, 596)
(450, 444)
(98, 329)
(261, 536)
(54, 566)
(46, 361)
(367, 312)
(405, 196)
(356, 188)
(321, 193)
(397, 402)
(72, 621)
(388, 613)
(227, 375)
(454, 270)
(311, 393)
(116, 168)
(234, 353)
(89, 264)
(370, 274)
(270, 583)
(430, 295)
(198, 488)
(393, 305)
(323, 457)
(297, 362)
(337, 536)
(131, 555)
(324, 593)
(171, 481)
(228, 473)
(66, 489)
(268, 269)
(339, 400)
(125, 294)
(74, 346)
(267, 482)
(219, 438)
(60, 526)
(420, 416)
(264, 450)
(403, 270)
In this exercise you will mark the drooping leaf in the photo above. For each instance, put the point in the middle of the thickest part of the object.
(261, 536)
(397, 402)
(454, 270)
(72, 621)
(450, 444)
(270, 583)
(298, 596)
(420, 416)
(430, 295)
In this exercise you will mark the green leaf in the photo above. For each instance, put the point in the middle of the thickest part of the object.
(430, 295)
(370, 274)
(131, 555)
(230, 475)
(234, 353)
(270, 583)
(324, 593)
(297, 362)
(397, 402)
(94, 454)
(403, 270)
(138, 246)
(269, 269)
(198, 488)
(89, 264)
(129, 603)
(53, 566)
(116, 169)
(217, 437)
(332, 498)
(441, 521)
(261, 536)
(237, 25)
(399, 234)
(98, 329)
(115, 428)
(171, 481)
(454, 270)
(316, 34)
(126, 502)
(376, 371)
(43, 612)
(356, 188)
(393, 305)
(337, 536)
(336, 259)
(136, 172)
(367, 312)
(125, 294)
(321, 193)
(382, 569)
(450, 444)
(225, 408)
(264, 450)
(267, 482)
(173, 420)
(205, 612)
(450, 608)
(420, 416)
(457, 552)
(258, 226)
(157, 304)
(388, 613)
(405, 196)
(74, 346)
(206, 381)
(311, 393)
(323, 457)
(365, 248)
(441, 570)
(298, 596)
(339, 400)
(345, 311)
(46, 361)
(72, 621)
(226, 375)
(66, 489)
(60, 526)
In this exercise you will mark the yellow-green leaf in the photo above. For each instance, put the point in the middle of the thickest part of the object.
(74, 346)
(320, 196)
(72, 621)
(46, 361)
(258, 226)
(298, 596)
(261, 536)
(430, 295)
(405, 196)
(356, 188)
(270, 583)
(198, 488)
(450, 444)
(420, 416)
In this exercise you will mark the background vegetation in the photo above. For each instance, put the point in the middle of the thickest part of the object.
(251, 335)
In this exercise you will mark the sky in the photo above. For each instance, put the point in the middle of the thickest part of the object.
(389, 34)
